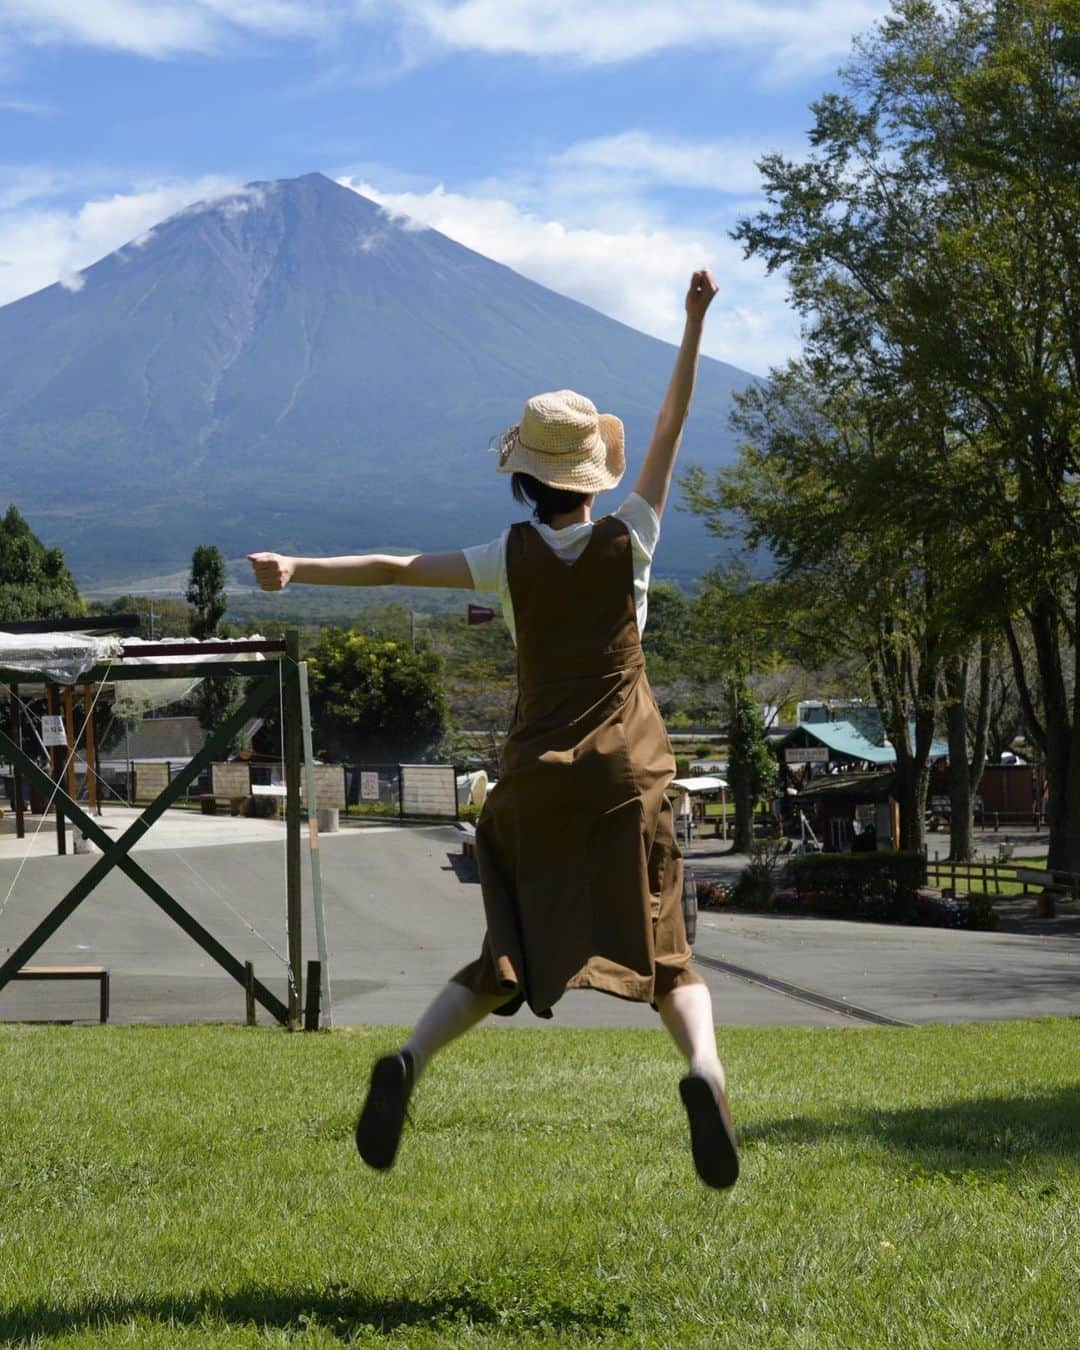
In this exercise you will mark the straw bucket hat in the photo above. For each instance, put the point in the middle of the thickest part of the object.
(564, 442)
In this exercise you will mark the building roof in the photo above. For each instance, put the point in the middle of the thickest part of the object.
(841, 738)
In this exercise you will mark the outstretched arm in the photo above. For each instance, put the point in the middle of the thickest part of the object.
(654, 480)
(274, 571)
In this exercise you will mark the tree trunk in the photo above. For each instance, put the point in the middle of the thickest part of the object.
(961, 824)
(743, 799)
(1057, 733)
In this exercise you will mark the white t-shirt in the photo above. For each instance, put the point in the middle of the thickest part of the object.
(487, 562)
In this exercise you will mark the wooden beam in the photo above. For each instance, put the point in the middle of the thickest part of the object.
(67, 696)
(55, 765)
(291, 710)
(313, 835)
(80, 623)
(115, 854)
(20, 802)
(91, 750)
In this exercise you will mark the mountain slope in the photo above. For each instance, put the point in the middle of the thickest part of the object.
(290, 368)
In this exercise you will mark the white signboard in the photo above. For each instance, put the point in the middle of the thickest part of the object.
(52, 730)
(816, 755)
(369, 787)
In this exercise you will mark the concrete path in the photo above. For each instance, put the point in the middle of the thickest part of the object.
(404, 911)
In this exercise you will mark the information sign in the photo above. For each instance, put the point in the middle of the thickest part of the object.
(52, 730)
(816, 755)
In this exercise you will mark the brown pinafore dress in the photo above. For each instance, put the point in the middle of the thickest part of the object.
(580, 871)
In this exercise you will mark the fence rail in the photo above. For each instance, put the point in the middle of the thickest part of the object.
(988, 876)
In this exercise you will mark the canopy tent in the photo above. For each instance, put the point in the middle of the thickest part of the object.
(699, 786)
(68, 654)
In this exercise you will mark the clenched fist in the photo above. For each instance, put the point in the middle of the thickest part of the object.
(700, 295)
(273, 571)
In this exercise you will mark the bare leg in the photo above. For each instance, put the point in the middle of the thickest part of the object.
(453, 1011)
(687, 1014)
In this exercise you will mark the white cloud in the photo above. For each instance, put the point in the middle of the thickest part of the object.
(42, 242)
(633, 268)
(604, 31)
(161, 28)
(638, 157)
(798, 35)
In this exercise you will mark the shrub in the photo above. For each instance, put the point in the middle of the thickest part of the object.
(961, 911)
(881, 886)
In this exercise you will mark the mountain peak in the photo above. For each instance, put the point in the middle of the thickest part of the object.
(287, 367)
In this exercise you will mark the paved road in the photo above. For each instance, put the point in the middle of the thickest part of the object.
(404, 911)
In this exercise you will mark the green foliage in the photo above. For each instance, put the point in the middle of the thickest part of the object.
(755, 887)
(929, 239)
(34, 582)
(159, 617)
(880, 886)
(752, 768)
(375, 699)
(206, 591)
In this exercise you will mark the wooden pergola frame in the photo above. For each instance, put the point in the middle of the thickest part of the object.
(285, 673)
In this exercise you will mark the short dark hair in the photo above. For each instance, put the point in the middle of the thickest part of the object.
(545, 501)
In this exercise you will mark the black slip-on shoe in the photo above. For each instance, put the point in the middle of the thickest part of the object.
(712, 1141)
(378, 1131)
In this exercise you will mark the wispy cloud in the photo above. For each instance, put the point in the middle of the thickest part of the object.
(605, 31)
(791, 37)
(638, 157)
(632, 264)
(43, 241)
(160, 28)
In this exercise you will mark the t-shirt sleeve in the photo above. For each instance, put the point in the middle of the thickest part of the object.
(643, 521)
(487, 564)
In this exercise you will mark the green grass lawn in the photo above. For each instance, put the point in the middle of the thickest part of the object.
(199, 1187)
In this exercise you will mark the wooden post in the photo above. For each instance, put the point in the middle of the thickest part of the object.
(93, 796)
(249, 992)
(67, 695)
(55, 765)
(291, 704)
(19, 802)
(323, 964)
(314, 988)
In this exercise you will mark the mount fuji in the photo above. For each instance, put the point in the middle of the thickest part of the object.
(290, 367)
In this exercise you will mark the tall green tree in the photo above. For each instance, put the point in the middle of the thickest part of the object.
(34, 580)
(374, 699)
(751, 765)
(930, 240)
(206, 591)
(815, 466)
(215, 698)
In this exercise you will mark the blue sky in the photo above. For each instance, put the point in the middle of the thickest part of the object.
(604, 149)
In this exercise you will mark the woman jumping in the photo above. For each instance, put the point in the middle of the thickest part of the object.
(580, 872)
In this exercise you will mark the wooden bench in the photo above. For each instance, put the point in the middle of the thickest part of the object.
(209, 800)
(468, 844)
(99, 973)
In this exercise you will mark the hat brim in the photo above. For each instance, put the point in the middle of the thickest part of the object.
(597, 466)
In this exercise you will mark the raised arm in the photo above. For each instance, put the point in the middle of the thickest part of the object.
(654, 480)
(274, 571)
